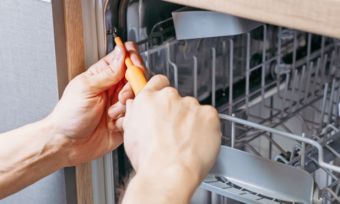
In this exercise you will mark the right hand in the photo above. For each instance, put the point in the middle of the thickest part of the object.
(168, 136)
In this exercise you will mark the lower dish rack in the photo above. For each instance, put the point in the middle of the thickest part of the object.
(277, 91)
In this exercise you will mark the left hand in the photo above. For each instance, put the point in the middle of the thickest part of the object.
(81, 116)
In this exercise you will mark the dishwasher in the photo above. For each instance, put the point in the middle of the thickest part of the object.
(276, 89)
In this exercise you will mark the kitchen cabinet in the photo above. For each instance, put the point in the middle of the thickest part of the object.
(316, 16)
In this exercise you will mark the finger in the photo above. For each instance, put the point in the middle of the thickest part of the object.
(129, 104)
(157, 83)
(107, 72)
(116, 111)
(128, 111)
(131, 46)
(137, 60)
(119, 124)
(125, 94)
(190, 101)
(112, 55)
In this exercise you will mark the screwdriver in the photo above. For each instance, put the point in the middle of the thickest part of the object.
(134, 75)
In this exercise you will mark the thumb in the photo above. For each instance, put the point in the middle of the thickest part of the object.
(107, 72)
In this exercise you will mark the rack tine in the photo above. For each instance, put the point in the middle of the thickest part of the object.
(330, 107)
(323, 69)
(303, 152)
(316, 75)
(294, 50)
(294, 89)
(232, 133)
(195, 75)
(332, 67)
(302, 81)
(225, 63)
(323, 42)
(263, 71)
(337, 102)
(231, 75)
(325, 92)
(285, 94)
(173, 65)
(168, 60)
(247, 72)
(278, 59)
(279, 44)
(307, 84)
(175, 68)
(309, 47)
(213, 77)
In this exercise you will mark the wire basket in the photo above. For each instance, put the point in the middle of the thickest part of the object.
(261, 82)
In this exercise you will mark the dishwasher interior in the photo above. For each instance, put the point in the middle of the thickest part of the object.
(277, 92)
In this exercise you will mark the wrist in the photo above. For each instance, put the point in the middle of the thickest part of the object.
(56, 143)
(172, 185)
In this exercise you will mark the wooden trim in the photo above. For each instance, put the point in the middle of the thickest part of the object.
(74, 37)
(316, 16)
(76, 65)
(84, 184)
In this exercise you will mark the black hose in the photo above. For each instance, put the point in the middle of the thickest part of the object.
(122, 19)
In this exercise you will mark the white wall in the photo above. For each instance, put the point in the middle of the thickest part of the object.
(28, 83)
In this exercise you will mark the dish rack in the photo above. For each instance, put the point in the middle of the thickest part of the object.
(277, 92)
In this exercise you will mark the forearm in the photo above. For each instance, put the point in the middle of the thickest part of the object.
(28, 154)
(161, 188)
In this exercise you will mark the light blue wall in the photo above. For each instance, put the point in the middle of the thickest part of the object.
(28, 83)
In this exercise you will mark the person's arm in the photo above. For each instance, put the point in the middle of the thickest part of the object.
(28, 154)
(172, 142)
(78, 130)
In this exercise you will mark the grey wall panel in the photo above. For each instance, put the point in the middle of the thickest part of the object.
(28, 82)
(49, 190)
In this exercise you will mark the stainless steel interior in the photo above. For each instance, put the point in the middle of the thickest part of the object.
(277, 91)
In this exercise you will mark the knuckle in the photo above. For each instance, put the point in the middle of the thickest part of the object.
(169, 91)
(211, 112)
(161, 78)
(145, 94)
(191, 101)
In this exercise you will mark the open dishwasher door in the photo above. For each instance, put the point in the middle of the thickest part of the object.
(276, 89)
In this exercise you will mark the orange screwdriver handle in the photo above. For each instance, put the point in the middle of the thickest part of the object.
(136, 78)
(134, 75)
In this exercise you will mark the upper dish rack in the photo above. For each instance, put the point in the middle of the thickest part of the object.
(260, 82)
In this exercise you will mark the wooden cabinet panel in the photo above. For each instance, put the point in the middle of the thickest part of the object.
(69, 37)
(316, 16)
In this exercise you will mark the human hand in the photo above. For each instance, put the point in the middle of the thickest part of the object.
(81, 116)
(172, 142)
